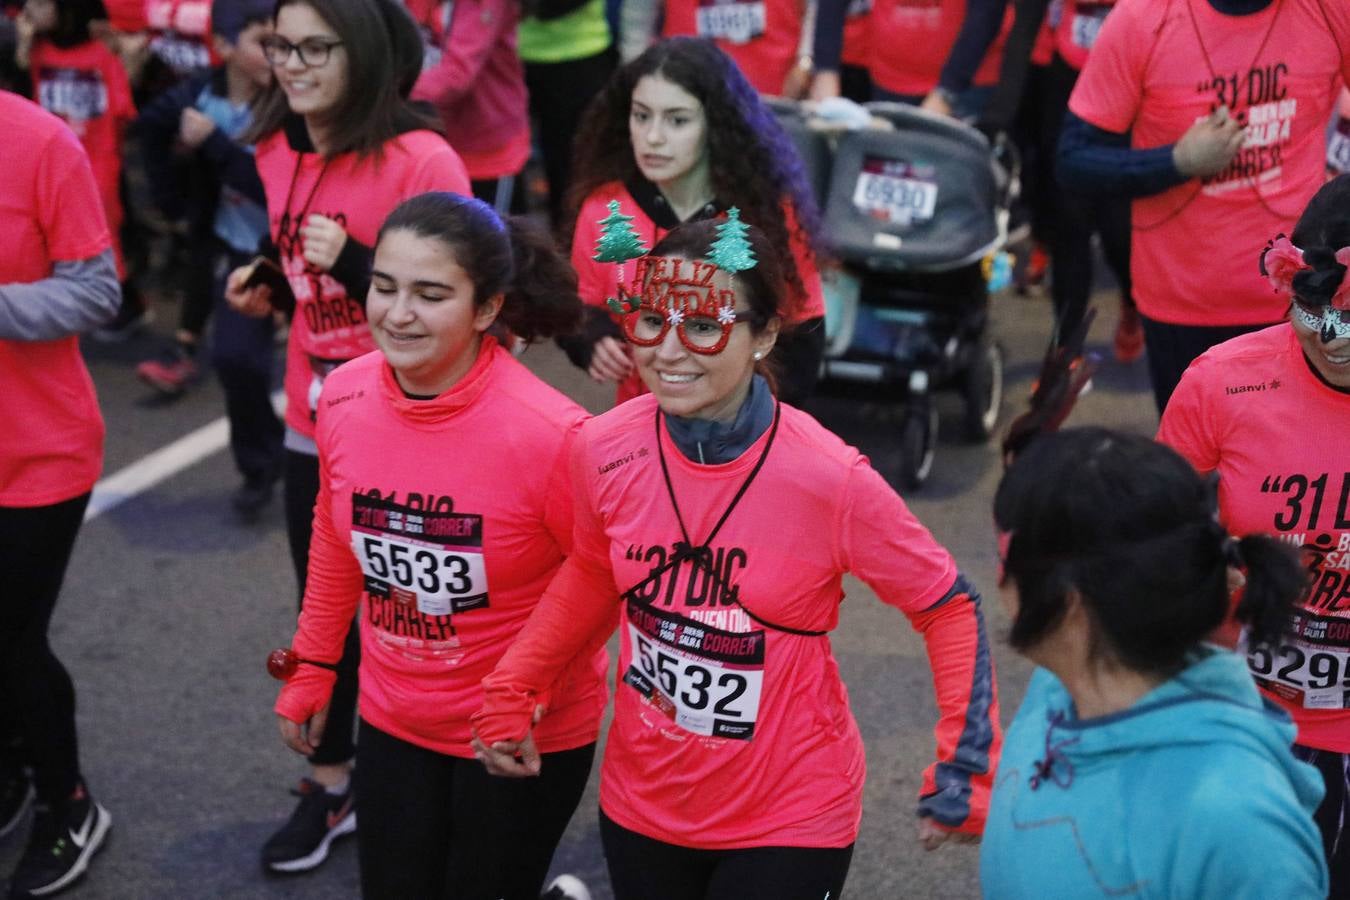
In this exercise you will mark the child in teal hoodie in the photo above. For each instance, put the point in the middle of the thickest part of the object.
(1143, 762)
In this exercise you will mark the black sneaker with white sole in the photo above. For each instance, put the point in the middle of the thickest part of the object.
(60, 848)
(319, 819)
(566, 887)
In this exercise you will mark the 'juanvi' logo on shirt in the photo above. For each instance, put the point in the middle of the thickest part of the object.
(1271, 385)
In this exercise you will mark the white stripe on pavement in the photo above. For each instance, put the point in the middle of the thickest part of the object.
(164, 463)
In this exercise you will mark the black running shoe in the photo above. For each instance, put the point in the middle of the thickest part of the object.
(60, 848)
(252, 496)
(319, 819)
(16, 794)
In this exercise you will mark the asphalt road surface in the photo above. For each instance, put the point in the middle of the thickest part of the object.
(171, 605)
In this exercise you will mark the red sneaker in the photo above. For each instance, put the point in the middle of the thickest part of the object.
(1129, 335)
(171, 374)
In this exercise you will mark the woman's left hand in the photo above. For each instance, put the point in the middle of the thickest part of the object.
(510, 759)
(324, 240)
(932, 835)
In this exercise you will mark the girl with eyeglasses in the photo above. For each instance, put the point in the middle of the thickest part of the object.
(338, 147)
(715, 525)
(1269, 412)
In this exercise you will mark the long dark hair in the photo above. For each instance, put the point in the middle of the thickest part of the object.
(1130, 525)
(373, 110)
(515, 258)
(753, 163)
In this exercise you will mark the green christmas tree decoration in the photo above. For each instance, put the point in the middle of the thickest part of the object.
(618, 242)
(731, 252)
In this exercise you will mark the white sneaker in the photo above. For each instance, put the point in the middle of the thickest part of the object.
(566, 887)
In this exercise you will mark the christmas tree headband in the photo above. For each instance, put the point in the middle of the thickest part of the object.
(676, 291)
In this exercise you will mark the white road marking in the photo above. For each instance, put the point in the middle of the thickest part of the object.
(164, 463)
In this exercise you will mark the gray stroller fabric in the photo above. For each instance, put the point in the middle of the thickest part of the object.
(923, 198)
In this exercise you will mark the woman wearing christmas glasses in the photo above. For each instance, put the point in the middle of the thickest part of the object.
(724, 521)
(679, 135)
(1270, 413)
(338, 146)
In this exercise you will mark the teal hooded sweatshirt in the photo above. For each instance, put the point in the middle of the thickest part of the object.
(1190, 793)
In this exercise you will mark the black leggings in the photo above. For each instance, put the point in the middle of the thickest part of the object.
(300, 475)
(642, 868)
(1332, 814)
(37, 697)
(435, 826)
(1077, 217)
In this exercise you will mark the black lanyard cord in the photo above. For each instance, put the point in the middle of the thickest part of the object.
(700, 554)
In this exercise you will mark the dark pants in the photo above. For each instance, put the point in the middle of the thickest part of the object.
(435, 826)
(300, 476)
(241, 352)
(1035, 123)
(642, 868)
(1331, 815)
(37, 697)
(503, 194)
(559, 94)
(1171, 348)
(1078, 217)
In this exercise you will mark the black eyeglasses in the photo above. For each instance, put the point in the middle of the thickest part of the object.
(313, 52)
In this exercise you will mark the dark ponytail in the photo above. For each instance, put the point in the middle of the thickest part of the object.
(1275, 579)
(516, 259)
(542, 300)
(1130, 526)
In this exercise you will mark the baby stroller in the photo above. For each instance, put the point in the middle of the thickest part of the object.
(916, 217)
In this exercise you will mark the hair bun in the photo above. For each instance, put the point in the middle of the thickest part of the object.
(1320, 283)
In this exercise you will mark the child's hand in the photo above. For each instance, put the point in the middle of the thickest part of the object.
(324, 240)
(194, 128)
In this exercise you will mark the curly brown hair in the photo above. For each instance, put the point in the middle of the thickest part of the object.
(753, 163)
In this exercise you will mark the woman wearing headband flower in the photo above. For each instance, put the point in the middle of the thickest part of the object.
(1142, 763)
(1270, 413)
(724, 521)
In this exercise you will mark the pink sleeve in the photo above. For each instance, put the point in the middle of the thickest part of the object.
(888, 548)
(468, 43)
(574, 618)
(333, 589)
(559, 515)
(590, 274)
(1111, 87)
(443, 170)
(1187, 426)
(65, 182)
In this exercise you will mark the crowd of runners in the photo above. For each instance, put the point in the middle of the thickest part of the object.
(407, 194)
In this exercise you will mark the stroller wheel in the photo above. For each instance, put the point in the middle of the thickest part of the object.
(918, 444)
(982, 390)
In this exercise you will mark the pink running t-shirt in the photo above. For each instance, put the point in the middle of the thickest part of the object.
(330, 327)
(52, 446)
(444, 519)
(911, 40)
(727, 732)
(1156, 67)
(1252, 410)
